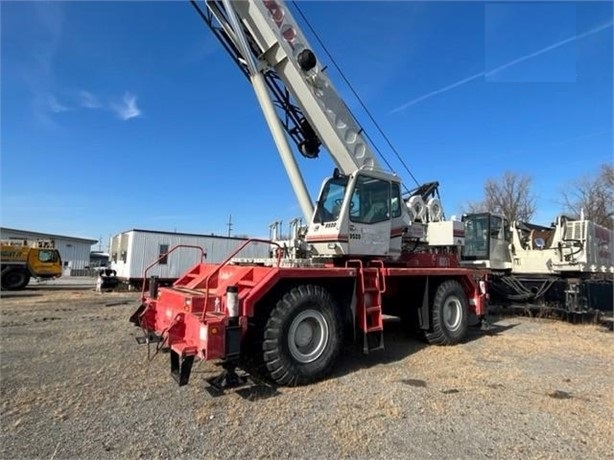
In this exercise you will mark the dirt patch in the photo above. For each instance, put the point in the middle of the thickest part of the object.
(73, 373)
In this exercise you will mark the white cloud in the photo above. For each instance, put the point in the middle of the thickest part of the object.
(54, 105)
(128, 108)
(89, 100)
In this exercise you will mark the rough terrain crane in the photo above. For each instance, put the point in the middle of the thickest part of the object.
(21, 260)
(368, 250)
(567, 266)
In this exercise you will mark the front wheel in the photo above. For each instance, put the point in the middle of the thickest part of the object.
(448, 315)
(15, 279)
(303, 336)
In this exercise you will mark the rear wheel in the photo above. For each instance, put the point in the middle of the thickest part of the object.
(302, 337)
(448, 315)
(15, 279)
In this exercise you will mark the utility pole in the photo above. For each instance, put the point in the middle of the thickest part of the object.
(229, 224)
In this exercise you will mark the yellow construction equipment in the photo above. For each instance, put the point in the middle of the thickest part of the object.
(21, 260)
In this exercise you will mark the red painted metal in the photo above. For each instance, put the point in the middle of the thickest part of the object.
(397, 232)
(229, 258)
(327, 238)
(369, 296)
(191, 315)
(430, 260)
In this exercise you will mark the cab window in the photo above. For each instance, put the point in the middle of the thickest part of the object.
(370, 200)
(395, 201)
(45, 255)
(477, 241)
(329, 206)
(496, 223)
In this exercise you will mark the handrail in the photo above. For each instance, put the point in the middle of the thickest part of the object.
(360, 266)
(380, 273)
(162, 256)
(381, 279)
(225, 262)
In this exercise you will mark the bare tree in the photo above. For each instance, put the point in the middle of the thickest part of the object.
(509, 195)
(593, 195)
(475, 207)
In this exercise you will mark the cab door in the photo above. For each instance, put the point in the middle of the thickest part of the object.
(45, 262)
(370, 216)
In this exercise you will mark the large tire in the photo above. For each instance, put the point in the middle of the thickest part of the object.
(449, 315)
(303, 336)
(15, 279)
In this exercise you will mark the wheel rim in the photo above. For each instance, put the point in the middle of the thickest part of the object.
(14, 279)
(308, 336)
(452, 313)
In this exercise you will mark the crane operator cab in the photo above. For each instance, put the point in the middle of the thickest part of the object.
(359, 214)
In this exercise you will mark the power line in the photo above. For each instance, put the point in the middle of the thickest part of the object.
(315, 34)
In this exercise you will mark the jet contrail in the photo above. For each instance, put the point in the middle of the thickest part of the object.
(501, 67)
(439, 91)
(549, 48)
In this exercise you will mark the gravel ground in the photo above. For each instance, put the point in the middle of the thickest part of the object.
(76, 385)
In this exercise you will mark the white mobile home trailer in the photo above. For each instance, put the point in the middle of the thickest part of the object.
(132, 251)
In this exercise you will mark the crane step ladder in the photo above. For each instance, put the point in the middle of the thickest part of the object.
(369, 290)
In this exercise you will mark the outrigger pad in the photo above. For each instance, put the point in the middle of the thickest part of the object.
(227, 380)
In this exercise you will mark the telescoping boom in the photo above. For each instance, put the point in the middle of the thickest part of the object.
(360, 210)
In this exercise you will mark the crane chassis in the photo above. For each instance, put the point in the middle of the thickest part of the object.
(290, 321)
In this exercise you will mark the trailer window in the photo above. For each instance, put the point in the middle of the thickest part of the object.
(163, 250)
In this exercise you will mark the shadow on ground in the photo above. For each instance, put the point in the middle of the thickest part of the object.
(17, 294)
(398, 345)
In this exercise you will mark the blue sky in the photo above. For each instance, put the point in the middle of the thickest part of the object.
(118, 115)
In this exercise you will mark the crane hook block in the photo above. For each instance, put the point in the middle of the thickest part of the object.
(306, 60)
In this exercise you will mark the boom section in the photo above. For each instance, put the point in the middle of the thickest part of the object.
(279, 47)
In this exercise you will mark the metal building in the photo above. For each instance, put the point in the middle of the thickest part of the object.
(134, 250)
(75, 251)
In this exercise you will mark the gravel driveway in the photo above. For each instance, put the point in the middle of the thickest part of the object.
(75, 384)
